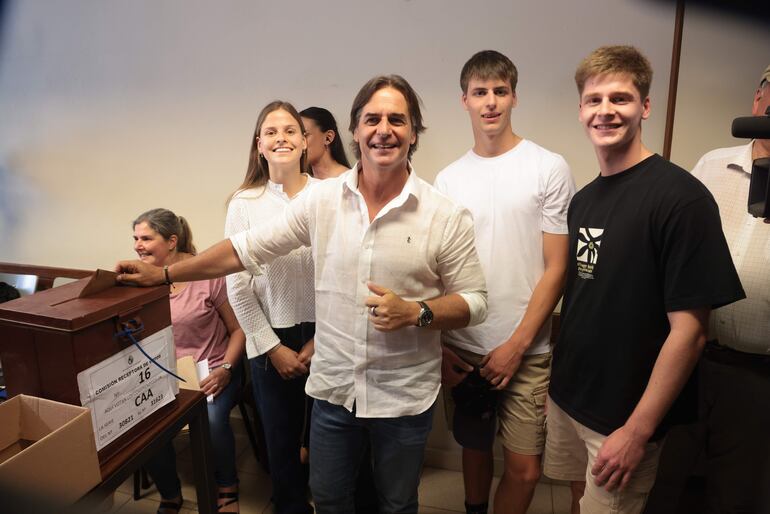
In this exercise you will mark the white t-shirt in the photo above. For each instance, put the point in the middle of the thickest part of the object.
(513, 198)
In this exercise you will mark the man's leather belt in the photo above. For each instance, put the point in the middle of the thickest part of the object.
(716, 352)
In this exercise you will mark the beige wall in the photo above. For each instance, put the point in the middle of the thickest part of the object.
(723, 57)
(112, 108)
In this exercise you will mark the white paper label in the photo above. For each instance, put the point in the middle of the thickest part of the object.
(202, 368)
(126, 388)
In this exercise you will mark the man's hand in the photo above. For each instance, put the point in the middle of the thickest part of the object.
(216, 382)
(286, 362)
(618, 458)
(306, 352)
(388, 312)
(453, 368)
(139, 273)
(499, 365)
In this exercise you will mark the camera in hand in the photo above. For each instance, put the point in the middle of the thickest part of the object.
(756, 127)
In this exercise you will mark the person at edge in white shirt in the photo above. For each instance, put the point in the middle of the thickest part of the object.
(395, 263)
(277, 308)
(518, 194)
(734, 379)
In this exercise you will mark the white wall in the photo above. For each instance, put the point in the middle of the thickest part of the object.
(112, 108)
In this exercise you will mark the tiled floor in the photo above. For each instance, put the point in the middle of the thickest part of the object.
(441, 491)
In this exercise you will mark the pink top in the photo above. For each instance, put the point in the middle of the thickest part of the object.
(198, 328)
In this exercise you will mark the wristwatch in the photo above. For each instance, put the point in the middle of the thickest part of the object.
(227, 366)
(426, 315)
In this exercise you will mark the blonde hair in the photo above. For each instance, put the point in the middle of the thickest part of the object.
(616, 59)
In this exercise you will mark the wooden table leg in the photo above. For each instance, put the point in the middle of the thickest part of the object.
(203, 462)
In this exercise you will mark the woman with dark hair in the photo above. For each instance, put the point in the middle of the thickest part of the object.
(325, 151)
(204, 327)
(277, 308)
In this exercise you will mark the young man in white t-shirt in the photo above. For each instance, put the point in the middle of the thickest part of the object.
(518, 193)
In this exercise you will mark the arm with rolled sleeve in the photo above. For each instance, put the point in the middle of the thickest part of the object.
(465, 300)
(260, 336)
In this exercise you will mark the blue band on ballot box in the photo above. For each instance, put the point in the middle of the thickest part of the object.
(131, 328)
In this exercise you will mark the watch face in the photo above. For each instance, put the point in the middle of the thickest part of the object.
(227, 366)
(426, 316)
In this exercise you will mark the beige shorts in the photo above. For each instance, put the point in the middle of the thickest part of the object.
(521, 405)
(570, 452)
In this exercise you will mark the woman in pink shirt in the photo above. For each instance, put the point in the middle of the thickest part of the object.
(204, 327)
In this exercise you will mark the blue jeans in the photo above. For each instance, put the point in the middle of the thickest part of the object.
(162, 467)
(281, 405)
(336, 452)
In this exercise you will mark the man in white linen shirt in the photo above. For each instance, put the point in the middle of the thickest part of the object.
(518, 193)
(395, 263)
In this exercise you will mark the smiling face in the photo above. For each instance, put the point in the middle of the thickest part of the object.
(384, 132)
(150, 246)
(489, 103)
(611, 111)
(281, 141)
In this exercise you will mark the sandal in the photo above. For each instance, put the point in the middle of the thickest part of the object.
(170, 505)
(230, 497)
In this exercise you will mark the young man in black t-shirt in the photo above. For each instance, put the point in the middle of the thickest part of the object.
(648, 261)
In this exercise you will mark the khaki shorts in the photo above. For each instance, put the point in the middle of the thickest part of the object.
(521, 405)
(570, 452)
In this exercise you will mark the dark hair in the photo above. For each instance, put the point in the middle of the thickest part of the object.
(257, 172)
(606, 60)
(326, 121)
(489, 64)
(168, 224)
(400, 84)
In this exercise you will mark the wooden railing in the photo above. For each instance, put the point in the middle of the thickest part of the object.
(45, 274)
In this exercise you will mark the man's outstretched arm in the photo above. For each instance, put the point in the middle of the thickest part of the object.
(218, 261)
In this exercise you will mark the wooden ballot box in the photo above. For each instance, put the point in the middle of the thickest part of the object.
(56, 344)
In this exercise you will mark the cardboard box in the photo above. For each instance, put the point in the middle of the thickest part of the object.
(47, 449)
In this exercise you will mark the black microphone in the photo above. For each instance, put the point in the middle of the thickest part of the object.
(752, 127)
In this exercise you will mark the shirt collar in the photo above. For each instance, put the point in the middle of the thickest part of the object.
(277, 188)
(743, 160)
(274, 187)
(411, 187)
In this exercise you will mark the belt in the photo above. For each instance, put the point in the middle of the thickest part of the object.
(715, 352)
